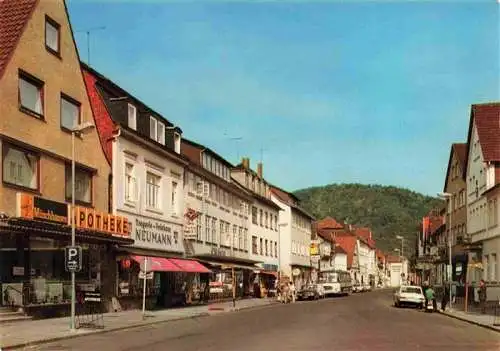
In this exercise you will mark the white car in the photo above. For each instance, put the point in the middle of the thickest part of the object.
(409, 295)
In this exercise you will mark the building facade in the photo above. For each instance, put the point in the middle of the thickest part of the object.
(295, 237)
(42, 89)
(219, 230)
(482, 177)
(263, 224)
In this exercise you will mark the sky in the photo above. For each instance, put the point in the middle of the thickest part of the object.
(322, 92)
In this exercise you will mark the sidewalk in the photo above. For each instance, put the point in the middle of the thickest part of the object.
(32, 332)
(482, 320)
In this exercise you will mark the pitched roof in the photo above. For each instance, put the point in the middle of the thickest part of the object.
(289, 199)
(325, 234)
(460, 152)
(14, 15)
(366, 234)
(486, 118)
(348, 244)
(329, 223)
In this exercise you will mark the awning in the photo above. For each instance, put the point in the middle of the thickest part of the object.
(189, 266)
(274, 274)
(157, 264)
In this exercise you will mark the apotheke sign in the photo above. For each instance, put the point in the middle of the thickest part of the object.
(154, 234)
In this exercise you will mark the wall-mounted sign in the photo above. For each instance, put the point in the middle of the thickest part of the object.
(314, 249)
(155, 234)
(217, 251)
(37, 208)
(296, 272)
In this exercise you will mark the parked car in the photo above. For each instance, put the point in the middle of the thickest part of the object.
(409, 295)
(309, 292)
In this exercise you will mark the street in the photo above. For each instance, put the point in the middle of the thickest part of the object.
(366, 321)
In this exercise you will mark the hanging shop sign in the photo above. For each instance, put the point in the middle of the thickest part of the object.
(38, 208)
(154, 234)
(314, 249)
(325, 249)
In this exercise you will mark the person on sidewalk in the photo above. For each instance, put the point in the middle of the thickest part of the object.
(430, 296)
(446, 295)
(482, 296)
(292, 291)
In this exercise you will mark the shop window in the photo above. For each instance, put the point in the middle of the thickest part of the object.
(129, 283)
(20, 167)
(254, 245)
(30, 94)
(70, 112)
(152, 190)
(83, 185)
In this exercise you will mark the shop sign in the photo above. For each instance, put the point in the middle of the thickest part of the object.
(154, 234)
(296, 272)
(313, 249)
(37, 208)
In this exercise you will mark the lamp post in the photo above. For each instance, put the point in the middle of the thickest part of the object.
(448, 197)
(77, 130)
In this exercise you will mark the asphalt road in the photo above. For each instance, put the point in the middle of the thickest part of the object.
(359, 322)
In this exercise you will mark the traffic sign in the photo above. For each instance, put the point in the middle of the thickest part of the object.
(73, 258)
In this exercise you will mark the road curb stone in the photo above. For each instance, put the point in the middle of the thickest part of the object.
(490, 327)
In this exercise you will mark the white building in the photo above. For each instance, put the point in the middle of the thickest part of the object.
(482, 178)
(220, 209)
(295, 237)
(397, 268)
(366, 256)
(263, 226)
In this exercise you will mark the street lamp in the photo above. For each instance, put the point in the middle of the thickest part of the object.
(77, 130)
(448, 197)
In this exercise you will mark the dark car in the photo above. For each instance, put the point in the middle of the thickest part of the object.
(308, 292)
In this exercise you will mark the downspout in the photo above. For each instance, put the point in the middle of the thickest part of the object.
(116, 134)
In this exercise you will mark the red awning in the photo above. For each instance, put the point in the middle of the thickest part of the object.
(157, 264)
(190, 266)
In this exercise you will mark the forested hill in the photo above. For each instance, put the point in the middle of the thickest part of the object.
(387, 210)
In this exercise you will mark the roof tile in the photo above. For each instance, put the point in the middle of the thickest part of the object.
(14, 14)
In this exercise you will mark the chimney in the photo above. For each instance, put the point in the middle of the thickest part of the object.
(245, 162)
(259, 169)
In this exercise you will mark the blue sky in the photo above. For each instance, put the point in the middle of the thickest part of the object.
(324, 92)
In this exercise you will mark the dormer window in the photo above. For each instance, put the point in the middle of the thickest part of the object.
(156, 130)
(132, 117)
(152, 128)
(177, 143)
(161, 133)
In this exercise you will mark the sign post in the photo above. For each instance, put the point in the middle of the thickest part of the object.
(144, 288)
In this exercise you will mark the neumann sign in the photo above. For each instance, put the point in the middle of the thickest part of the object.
(156, 235)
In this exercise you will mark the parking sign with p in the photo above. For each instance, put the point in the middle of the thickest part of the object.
(73, 258)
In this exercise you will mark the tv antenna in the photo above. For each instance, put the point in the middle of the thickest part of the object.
(236, 139)
(87, 32)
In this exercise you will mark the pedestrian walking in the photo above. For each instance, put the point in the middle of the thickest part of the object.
(292, 291)
(482, 296)
(446, 295)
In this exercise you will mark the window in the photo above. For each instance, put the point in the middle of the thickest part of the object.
(240, 238)
(254, 215)
(207, 228)
(261, 217)
(245, 239)
(221, 232)
(198, 227)
(267, 249)
(227, 240)
(152, 190)
(175, 194)
(235, 236)
(254, 245)
(177, 143)
(493, 271)
(261, 247)
(275, 249)
(152, 128)
(161, 133)
(214, 230)
(132, 117)
(130, 183)
(30, 94)
(266, 220)
(83, 185)
(52, 29)
(20, 167)
(70, 112)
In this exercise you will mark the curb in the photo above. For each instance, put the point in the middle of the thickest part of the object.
(491, 327)
(100, 331)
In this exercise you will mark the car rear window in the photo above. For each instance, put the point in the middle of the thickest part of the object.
(411, 290)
